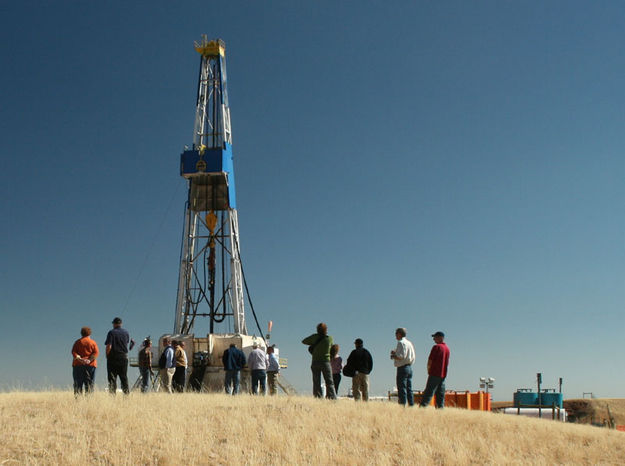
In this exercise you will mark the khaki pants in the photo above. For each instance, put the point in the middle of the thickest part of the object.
(360, 386)
(272, 378)
(167, 376)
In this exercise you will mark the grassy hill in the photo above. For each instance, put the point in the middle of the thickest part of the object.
(55, 428)
(597, 411)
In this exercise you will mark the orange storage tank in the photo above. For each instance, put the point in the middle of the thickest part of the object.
(458, 399)
(478, 401)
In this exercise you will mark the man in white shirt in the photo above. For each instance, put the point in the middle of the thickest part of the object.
(403, 356)
(257, 362)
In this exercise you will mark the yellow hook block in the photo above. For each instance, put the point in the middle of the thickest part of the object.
(211, 220)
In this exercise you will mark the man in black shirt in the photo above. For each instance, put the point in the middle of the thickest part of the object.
(117, 341)
(361, 361)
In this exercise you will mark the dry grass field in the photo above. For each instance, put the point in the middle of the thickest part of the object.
(55, 428)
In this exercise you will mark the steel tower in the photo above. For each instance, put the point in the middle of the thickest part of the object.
(210, 280)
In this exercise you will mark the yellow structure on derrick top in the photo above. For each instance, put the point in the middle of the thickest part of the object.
(210, 48)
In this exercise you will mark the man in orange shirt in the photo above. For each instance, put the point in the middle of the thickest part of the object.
(85, 353)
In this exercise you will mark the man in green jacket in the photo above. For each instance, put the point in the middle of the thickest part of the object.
(319, 346)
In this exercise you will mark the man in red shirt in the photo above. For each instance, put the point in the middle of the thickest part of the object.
(437, 371)
(85, 353)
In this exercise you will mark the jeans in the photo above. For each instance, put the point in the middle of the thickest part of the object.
(145, 379)
(318, 368)
(259, 376)
(360, 386)
(232, 382)
(434, 386)
(84, 376)
(404, 385)
(117, 366)
(336, 378)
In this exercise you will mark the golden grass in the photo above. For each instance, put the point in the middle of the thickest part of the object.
(54, 428)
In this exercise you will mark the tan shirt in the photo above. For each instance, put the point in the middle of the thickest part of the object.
(180, 355)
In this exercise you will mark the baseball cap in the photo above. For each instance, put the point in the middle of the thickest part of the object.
(358, 341)
(438, 334)
(117, 320)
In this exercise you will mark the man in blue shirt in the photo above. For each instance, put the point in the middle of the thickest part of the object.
(117, 345)
(273, 370)
(233, 360)
(167, 372)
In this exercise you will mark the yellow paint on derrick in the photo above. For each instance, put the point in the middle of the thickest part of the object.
(210, 48)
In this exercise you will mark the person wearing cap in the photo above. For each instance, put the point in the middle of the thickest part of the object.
(403, 356)
(361, 361)
(437, 371)
(84, 363)
(145, 364)
(257, 362)
(117, 341)
(233, 360)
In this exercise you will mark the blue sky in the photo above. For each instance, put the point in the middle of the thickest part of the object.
(452, 166)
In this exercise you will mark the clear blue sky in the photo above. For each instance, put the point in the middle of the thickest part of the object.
(452, 166)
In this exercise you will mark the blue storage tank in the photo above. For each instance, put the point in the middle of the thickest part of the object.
(525, 398)
(550, 399)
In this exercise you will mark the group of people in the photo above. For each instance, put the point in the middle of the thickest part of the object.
(403, 357)
(327, 363)
(264, 368)
(173, 365)
(85, 354)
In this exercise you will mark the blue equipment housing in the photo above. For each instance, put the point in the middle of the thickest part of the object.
(211, 173)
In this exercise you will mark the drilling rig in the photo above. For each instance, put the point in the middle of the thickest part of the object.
(211, 283)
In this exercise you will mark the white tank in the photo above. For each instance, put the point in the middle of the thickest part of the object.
(545, 413)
